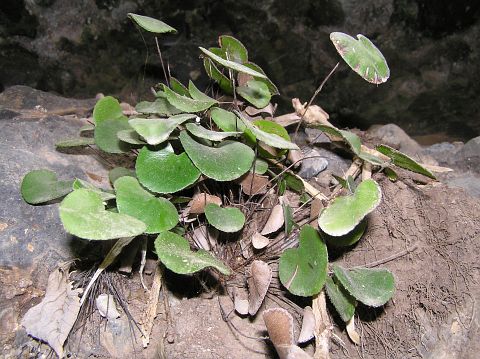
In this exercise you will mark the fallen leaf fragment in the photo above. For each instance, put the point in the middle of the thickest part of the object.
(275, 221)
(258, 283)
(253, 184)
(352, 333)
(52, 319)
(259, 241)
(295, 157)
(200, 200)
(308, 326)
(314, 115)
(241, 305)
(287, 119)
(106, 306)
(252, 111)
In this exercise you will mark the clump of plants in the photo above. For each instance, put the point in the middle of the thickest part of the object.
(206, 163)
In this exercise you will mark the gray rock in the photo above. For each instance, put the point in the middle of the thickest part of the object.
(315, 136)
(470, 183)
(312, 166)
(470, 153)
(445, 153)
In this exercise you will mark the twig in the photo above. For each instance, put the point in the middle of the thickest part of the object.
(143, 251)
(390, 258)
(323, 327)
(167, 80)
(151, 310)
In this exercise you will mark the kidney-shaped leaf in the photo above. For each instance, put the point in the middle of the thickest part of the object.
(402, 160)
(348, 239)
(187, 104)
(165, 172)
(41, 186)
(158, 107)
(255, 92)
(150, 24)
(157, 130)
(362, 56)
(227, 121)
(343, 302)
(371, 286)
(232, 65)
(106, 135)
(224, 219)
(83, 214)
(202, 132)
(175, 253)
(227, 162)
(157, 213)
(346, 212)
(107, 108)
(303, 270)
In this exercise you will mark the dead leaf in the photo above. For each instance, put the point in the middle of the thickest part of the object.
(279, 325)
(253, 183)
(259, 241)
(106, 306)
(287, 119)
(315, 208)
(240, 301)
(205, 237)
(52, 319)
(275, 220)
(308, 325)
(315, 115)
(258, 283)
(150, 312)
(252, 111)
(295, 157)
(352, 333)
(200, 200)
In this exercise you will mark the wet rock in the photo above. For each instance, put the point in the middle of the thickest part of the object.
(312, 166)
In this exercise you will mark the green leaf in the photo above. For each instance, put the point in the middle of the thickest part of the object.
(130, 136)
(215, 74)
(348, 239)
(270, 139)
(227, 162)
(107, 108)
(75, 142)
(165, 172)
(260, 166)
(362, 56)
(402, 160)
(294, 183)
(158, 107)
(372, 287)
(232, 65)
(288, 218)
(106, 135)
(41, 186)
(87, 127)
(79, 184)
(150, 24)
(157, 213)
(374, 160)
(83, 214)
(303, 270)
(391, 174)
(157, 130)
(343, 302)
(198, 95)
(174, 252)
(202, 132)
(118, 172)
(271, 86)
(346, 212)
(224, 219)
(236, 51)
(178, 87)
(350, 138)
(187, 104)
(227, 121)
(255, 92)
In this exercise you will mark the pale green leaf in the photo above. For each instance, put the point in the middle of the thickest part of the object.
(158, 107)
(157, 130)
(202, 132)
(224, 219)
(118, 172)
(271, 86)
(165, 172)
(362, 56)
(402, 160)
(227, 162)
(79, 184)
(175, 253)
(41, 186)
(234, 49)
(187, 104)
(350, 138)
(130, 136)
(83, 214)
(157, 213)
(227, 121)
(106, 135)
(303, 270)
(198, 95)
(260, 166)
(150, 24)
(232, 65)
(346, 212)
(107, 108)
(75, 142)
(255, 92)
(343, 302)
(371, 286)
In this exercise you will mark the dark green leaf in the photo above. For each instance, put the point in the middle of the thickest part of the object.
(118, 172)
(234, 49)
(228, 219)
(227, 121)
(402, 160)
(215, 74)
(178, 87)
(343, 302)
(75, 142)
(255, 92)
(231, 64)
(348, 239)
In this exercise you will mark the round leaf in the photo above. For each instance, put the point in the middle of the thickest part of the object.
(348, 239)
(226, 162)
(202, 132)
(165, 172)
(150, 24)
(303, 270)
(255, 92)
(234, 49)
(346, 212)
(362, 56)
(107, 108)
(227, 121)
(372, 287)
(83, 214)
(106, 135)
(174, 252)
(157, 213)
(157, 130)
(271, 86)
(41, 186)
(224, 219)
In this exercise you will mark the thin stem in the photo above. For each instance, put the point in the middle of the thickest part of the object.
(161, 60)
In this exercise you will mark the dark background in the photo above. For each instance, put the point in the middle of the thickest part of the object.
(82, 47)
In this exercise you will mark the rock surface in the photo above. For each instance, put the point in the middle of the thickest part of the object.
(82, 47)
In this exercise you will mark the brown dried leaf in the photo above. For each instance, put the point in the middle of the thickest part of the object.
(52, 319)
(259, 241)
(205, 237)
(200, 200)
(253, 183)
(295, 157)
(352, 333)
(315, 208)
(308, 326)
(287, 119)
(275, 221)
(258, 283)
(252, 111)
(315, 115)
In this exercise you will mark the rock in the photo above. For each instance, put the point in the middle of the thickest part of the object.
(315, 136)
(470, 183)
(312, 166)
(470, 153)
(445, 153)
(395, 137)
